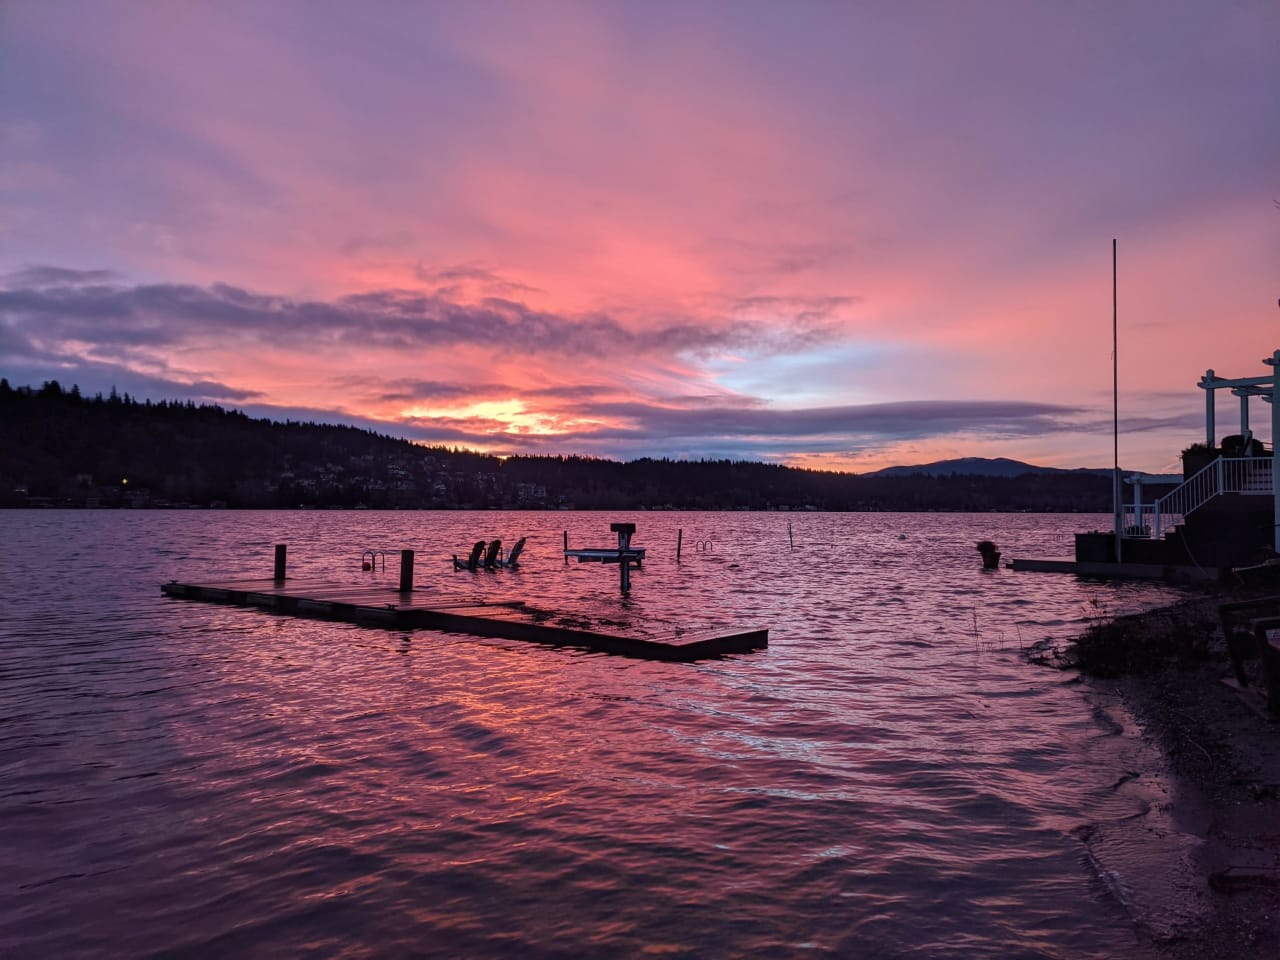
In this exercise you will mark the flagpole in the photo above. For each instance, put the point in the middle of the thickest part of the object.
(1116, 506)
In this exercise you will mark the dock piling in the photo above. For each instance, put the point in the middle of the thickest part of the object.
(406, 571)
(280, 558)
(679, 538)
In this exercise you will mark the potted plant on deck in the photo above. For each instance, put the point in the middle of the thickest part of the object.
(1196, 457)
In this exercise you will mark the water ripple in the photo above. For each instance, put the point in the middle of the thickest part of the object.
(889, 779)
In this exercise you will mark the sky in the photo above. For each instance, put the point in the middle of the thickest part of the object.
(837, 235)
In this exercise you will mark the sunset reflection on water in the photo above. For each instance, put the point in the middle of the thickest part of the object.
(889, 778)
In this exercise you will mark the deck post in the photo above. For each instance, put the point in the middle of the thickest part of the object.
(1274, 363)
(1209, 426)
(280, 557)
(406, 571)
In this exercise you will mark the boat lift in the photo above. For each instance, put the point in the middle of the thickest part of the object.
(623, 555)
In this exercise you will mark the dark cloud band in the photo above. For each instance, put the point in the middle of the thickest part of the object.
(77, 305)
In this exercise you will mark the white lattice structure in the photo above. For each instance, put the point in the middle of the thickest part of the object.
(1243, 474)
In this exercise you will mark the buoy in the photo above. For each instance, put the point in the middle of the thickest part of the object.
(366, 565)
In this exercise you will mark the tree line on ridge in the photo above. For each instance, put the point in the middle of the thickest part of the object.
(62, 448)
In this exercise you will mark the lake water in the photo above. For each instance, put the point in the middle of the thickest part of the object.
(890, 778)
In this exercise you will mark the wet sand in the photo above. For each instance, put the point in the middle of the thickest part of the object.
(1210, 762)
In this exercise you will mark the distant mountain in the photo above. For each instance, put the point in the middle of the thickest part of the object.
(1002, 467)
(972, 467)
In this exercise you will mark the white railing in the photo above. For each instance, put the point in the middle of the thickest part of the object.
(1145, 521)
(1246, 475)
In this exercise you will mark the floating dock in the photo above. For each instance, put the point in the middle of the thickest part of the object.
(386, 606)
(1136, 571)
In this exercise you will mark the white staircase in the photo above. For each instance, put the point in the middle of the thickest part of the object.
(1244, 475)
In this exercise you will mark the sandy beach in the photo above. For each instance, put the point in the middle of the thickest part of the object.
(1209, 758)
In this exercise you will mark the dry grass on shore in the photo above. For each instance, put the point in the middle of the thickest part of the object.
(1147, 643)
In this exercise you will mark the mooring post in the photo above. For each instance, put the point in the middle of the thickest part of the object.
(406, 571)
(679, 537)
(791, 536)
(566, 548)
(280, 554)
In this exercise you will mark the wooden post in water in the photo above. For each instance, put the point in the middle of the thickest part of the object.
(406, 571)
(280, 555)
(566, 548)
(679, 537)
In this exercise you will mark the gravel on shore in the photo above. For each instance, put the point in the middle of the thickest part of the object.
(1171, 670)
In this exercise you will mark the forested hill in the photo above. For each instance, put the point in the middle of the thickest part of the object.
(59, 448)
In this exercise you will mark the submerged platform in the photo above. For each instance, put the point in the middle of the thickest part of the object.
(1139, 571)
(385, 606)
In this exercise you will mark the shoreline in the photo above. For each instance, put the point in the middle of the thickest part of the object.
(1213, 836)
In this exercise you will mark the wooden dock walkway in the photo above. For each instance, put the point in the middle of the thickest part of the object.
(386, 606)
(1136, 571)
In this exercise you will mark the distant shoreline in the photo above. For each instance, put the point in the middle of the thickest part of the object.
(66, 448)
(516, 509)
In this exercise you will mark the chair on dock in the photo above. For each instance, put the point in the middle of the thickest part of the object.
(513, 558)
(493, 556)
(473, 561)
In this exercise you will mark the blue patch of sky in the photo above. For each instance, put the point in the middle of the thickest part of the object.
(826, 376)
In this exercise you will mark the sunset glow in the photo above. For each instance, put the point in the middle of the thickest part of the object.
(825, 235)
(500, 419)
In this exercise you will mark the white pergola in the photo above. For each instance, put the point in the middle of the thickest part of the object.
(1245, 388)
